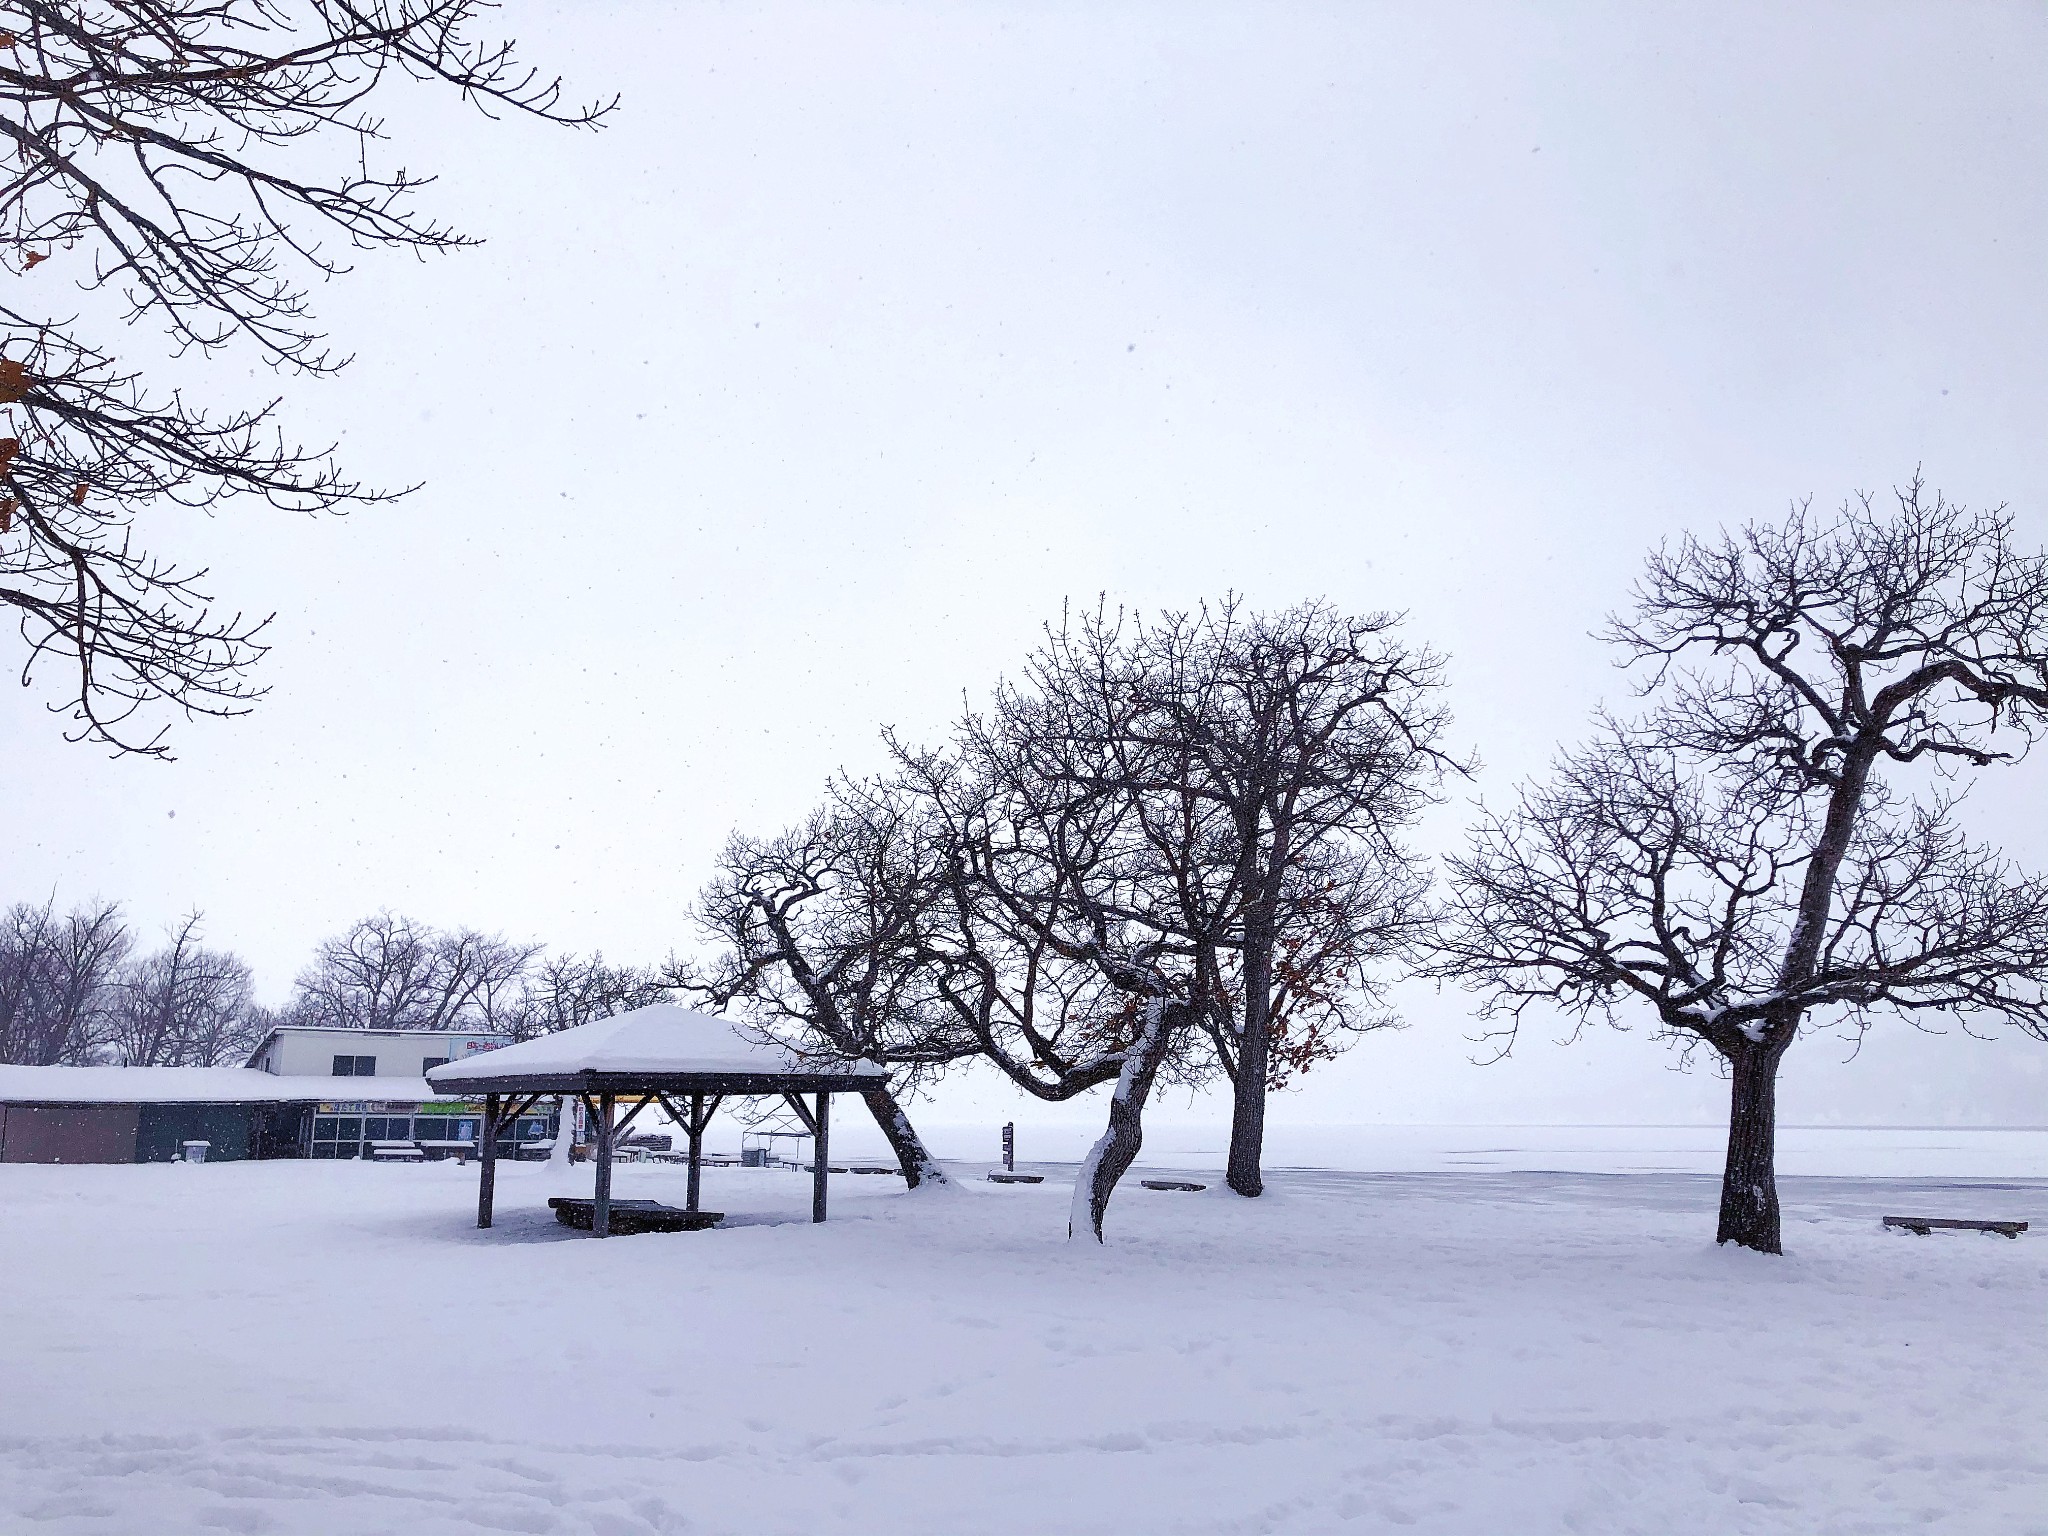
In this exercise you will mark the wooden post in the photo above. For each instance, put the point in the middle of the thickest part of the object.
(820, 1155)
(487, 1151)
(601, 1208)
(696, 1129)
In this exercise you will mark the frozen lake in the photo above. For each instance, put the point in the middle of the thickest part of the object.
(333, 1349)
(1880, 1151)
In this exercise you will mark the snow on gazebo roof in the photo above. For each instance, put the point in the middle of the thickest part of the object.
(658, 1046)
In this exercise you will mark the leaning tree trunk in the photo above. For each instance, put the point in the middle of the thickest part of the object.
(1749, 1182)
(1117, 1148)
(917, 1163)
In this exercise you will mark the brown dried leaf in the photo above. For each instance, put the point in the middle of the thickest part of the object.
(13, 380)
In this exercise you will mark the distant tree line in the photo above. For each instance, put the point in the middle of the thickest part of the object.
(76, 988)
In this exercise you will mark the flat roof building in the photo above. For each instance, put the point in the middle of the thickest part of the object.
(307, 1092)
(318, 1050)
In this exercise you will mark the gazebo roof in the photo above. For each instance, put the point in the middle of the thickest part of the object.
(661, 1048)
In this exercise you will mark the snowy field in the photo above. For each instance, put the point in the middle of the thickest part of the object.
(333, 1349)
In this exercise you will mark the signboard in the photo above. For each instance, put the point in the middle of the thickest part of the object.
(373, 1107)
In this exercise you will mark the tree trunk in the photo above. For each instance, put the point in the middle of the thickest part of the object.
(1113, 1154)
(917, 1163)
(1248, 1109)
(1749, 1183)
(1242, 1171)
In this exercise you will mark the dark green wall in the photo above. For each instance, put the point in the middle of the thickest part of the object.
(164, 1129)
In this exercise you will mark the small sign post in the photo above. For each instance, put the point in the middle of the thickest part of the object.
(1010, 1147)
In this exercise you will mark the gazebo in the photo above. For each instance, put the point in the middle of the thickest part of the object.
(687, 1062)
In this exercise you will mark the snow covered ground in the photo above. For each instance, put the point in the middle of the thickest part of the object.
(333, 1348)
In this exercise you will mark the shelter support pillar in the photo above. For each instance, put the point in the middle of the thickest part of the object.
(820, 1156)
(601, 1208)
(487, 1158)
(696, 1130)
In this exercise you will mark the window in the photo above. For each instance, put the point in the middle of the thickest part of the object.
(355, 1066)
(430, 1128)
(432, 1062)
(337, 1135)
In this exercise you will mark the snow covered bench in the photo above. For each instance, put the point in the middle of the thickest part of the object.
(1925, 1224)
(394, 1152)
(633, 1215)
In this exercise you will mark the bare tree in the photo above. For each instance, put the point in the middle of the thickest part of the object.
(816, 934)
(56, 980)
(178, 158)
(563, 991)
(183, 1006)
(1166, 851)
(388, 972)
(1772, 845)
(1068, 937)
(1308, 741)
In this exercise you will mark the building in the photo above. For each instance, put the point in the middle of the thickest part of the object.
(306, 1050)
(306, 1092)
(397, 1105)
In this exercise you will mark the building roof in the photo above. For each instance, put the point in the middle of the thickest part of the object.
(661, 1047)
(401, 1034)
(197, 1085)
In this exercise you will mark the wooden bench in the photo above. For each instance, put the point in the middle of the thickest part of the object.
(1926, 1224)
(633, 1215)
(852, 1168)
(1179, 1184)
(394, 1152)
(1016, 1178)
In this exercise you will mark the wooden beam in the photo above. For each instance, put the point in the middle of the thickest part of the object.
(487, 1156)
(601, 1209)
(632, 1114)
(803, 1110)
(819, 1157)
(695, 1129)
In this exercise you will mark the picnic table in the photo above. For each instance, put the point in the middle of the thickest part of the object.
(633, 1215)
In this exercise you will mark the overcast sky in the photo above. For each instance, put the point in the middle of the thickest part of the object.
(791, 403)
